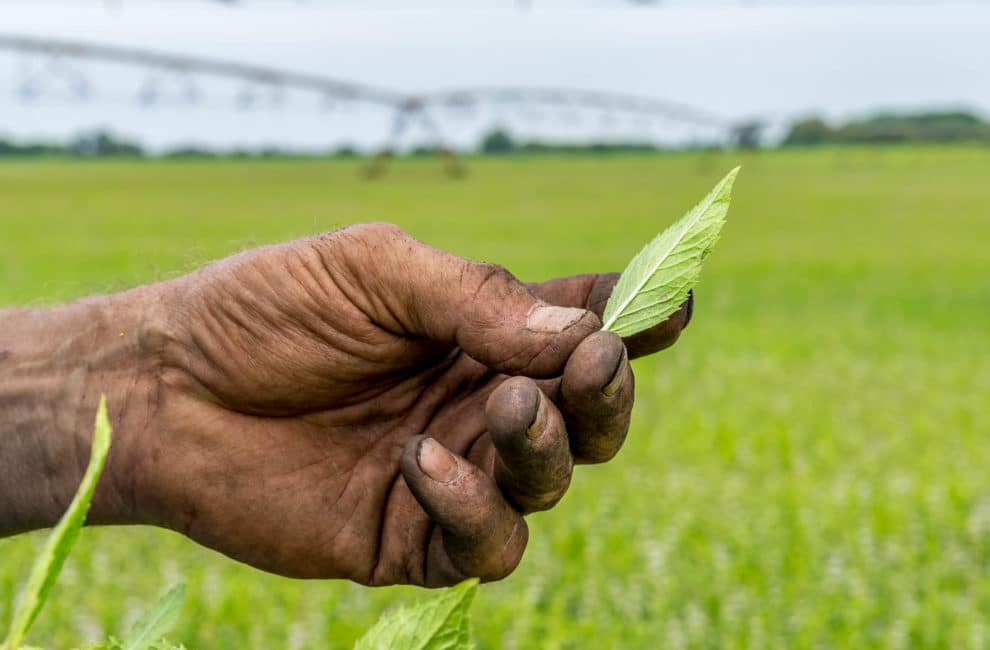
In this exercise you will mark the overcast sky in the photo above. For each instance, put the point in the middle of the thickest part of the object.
(776, 60)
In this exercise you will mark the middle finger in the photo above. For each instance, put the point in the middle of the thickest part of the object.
(533, 461)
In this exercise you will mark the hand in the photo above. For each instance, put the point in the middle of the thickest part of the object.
(361, 405)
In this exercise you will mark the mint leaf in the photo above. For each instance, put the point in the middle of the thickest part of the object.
(439, 623)
(657, 281)
(49, 563)
(157, 622)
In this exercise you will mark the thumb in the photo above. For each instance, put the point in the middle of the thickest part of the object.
(480, 307)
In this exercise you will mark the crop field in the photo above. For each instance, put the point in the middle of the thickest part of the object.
(809, 467)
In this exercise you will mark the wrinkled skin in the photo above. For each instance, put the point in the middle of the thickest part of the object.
(307, 394)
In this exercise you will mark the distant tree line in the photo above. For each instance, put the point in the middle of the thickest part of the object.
(500, 141)
(885, 128)
(93, 144)
(103, 144)
(891, 128)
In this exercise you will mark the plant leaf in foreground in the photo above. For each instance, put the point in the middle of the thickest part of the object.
(657, 281)
(49, 563)
(156, 622)
(438, 623)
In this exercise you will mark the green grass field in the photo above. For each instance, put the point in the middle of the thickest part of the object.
(808, 467)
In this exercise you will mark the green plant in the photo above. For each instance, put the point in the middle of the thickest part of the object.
(657, 281)
(157, 622)
(49, 563)
(805, 468)
(438, 623)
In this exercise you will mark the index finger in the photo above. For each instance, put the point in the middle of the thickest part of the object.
(592, 290)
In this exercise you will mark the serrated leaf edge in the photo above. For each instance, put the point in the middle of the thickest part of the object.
(615, 310)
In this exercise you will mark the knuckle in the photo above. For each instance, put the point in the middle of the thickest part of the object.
(385, 229)
(366, 253)
(487, 277)
(368, 233)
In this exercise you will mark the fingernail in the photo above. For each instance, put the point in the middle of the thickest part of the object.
(539, 424)
(690, 309)
(614, 384)
(436, 462)
(549, 319)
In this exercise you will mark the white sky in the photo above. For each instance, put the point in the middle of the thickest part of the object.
(776, 60)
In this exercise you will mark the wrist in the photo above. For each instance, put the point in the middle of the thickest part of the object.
(54, 365)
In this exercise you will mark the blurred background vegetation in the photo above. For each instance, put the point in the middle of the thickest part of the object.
(807, 467)
(882, 128)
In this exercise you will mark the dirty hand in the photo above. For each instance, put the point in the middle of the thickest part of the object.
(360, 405)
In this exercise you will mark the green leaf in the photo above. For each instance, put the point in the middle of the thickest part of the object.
(48, 565)
(657, 281)
(439, 623)
(157, 622)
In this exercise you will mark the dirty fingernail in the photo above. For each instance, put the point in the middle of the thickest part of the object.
(549, 319)
(436, 462)
(614, 384)
(539, 424)
(690, 309)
